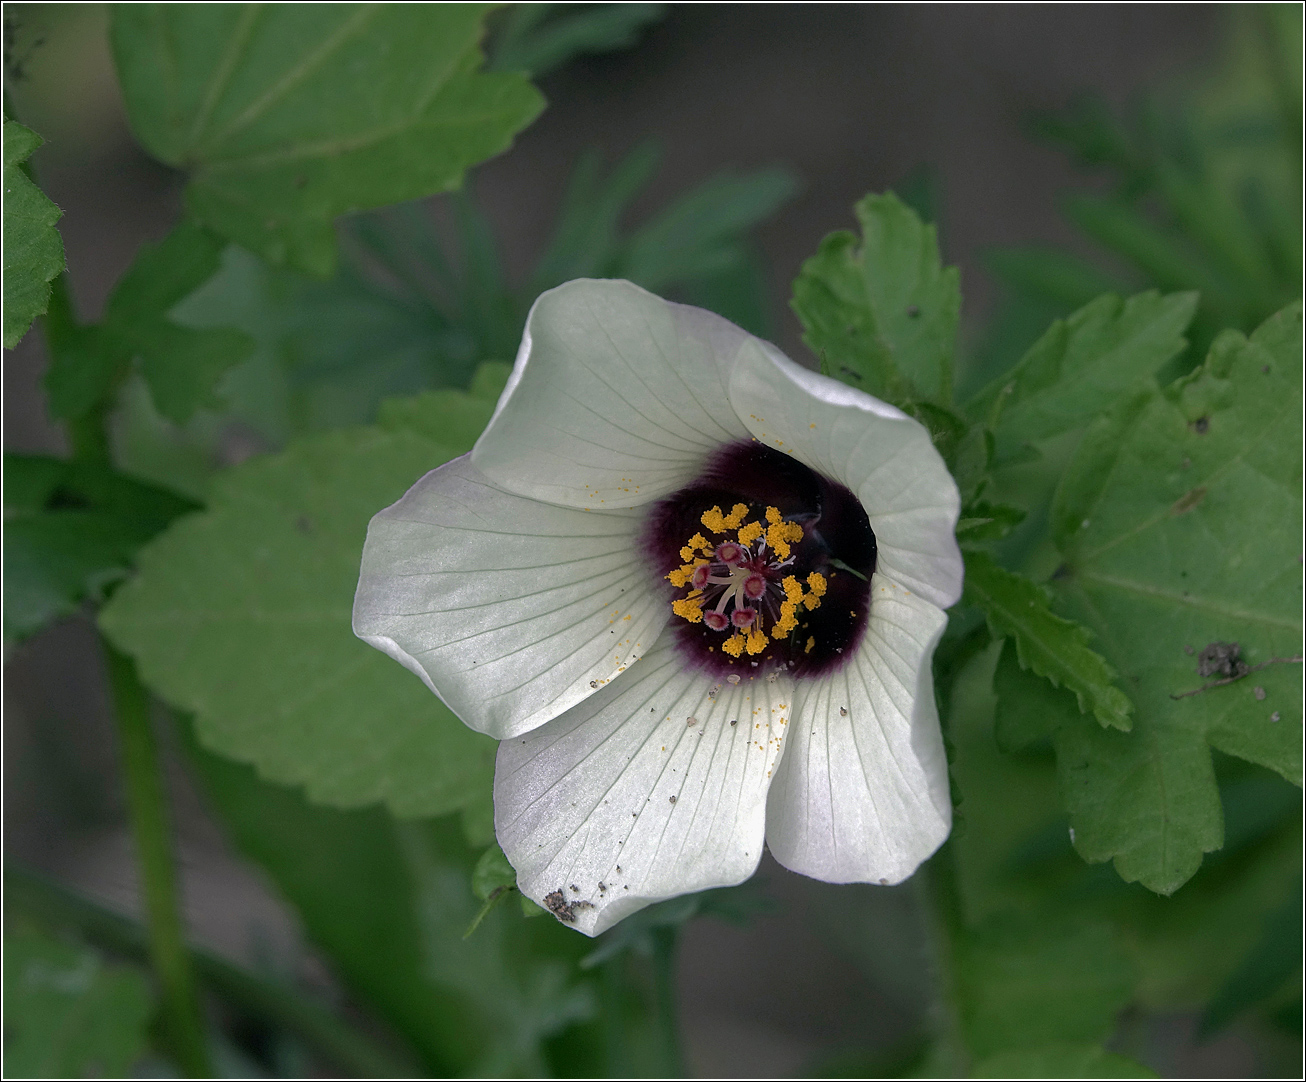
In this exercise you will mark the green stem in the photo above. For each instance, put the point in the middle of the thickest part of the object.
(88, 434)
(333, 1038)
(664, 990)
(150, 827)
(940, 897)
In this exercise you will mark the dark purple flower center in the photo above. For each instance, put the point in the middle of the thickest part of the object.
(768, 565)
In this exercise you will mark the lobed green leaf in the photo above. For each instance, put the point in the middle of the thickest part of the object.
(1179, 520)
(882, 316)
(1083, 363)
(182, 365)
(1054, 648)
(33, 247)
(241, 615)
(287, 116)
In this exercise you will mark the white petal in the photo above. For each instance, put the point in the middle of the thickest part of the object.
(643, 792)
(885, 458)
(616, 399)
(511, 610)
(863, 797)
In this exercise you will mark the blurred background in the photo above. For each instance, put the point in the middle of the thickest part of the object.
(807, 108)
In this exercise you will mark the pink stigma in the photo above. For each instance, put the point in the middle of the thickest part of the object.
(743, 617)
(717, 621)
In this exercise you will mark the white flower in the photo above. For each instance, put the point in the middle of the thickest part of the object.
(654, 734)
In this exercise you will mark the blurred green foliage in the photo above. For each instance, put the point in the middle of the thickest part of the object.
(1127, 492)
(67, 1013)
(1204, 194)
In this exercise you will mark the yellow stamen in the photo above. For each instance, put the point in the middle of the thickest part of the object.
(773, 516)
(750, 533)
(793, 588)
(734, 646)
(714, 520)
(816, 583)
(736, 517)
(688, 609)
(697, 543)
(756, 640)
(682, 575)
(787, 622)
(780, 534)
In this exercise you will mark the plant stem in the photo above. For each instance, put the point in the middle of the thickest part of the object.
(328, 1035)
(664, 991)
(150, 827)
(940, 898)
(88, 434)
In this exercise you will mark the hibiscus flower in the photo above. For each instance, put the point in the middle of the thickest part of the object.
(695, 590)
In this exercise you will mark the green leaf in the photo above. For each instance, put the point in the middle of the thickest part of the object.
(287, 116)
(987, 522)
(181, 365)
(1083, 363)
(1016, 857)
(83, 372)
(1022, 986)
(883, 316)
(72, 530)
(585, 238)
(1030, 708)
(67, 1014)
(1271, 963)
(241, 615)
(492, 873)
(697, 236)
(1050, 275)
(455, 418)
(387, 903)
(1165, 258)
(540, 38)
(1062, 1061)
(33, 247)
(1054, 648)
(1179, 520)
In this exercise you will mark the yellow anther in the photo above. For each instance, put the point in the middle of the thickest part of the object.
(714, 520)
(812, 601)
(681, 576)
(695, 545)
(734, 646)
(773, 516)
(756, 641)
(736, 517)
(780, 534)
(816, 583)
(793, 589)
(811, 642)
(687, 608)
(750, 533)
(788, 620)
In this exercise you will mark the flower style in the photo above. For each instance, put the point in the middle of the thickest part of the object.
(694, 589)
